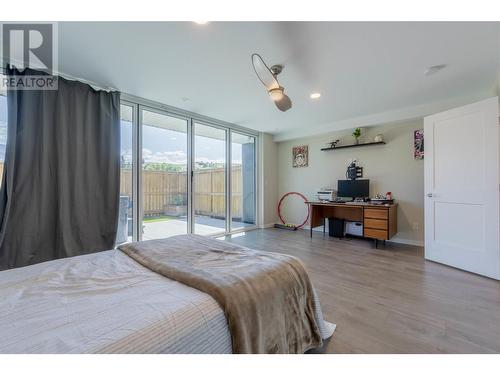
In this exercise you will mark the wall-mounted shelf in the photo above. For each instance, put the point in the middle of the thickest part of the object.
(353, 145)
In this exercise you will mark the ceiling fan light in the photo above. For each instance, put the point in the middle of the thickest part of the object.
(276, 94)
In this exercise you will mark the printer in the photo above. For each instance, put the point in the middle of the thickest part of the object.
(326, 194)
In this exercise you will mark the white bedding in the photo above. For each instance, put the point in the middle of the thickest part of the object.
(108, 303)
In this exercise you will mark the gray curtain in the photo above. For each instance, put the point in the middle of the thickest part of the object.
(60, 188)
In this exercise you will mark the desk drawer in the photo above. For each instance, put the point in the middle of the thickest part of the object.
(376, 233)
(375, 224)
(376, 213)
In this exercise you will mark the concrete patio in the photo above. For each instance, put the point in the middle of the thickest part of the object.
(204, 225)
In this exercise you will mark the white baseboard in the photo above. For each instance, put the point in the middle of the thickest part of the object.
(406, 241)
(316, 229)
(265, 226)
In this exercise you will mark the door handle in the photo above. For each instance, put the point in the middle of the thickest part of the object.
(429, 195)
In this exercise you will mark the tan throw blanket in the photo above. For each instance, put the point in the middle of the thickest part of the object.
(267, 297)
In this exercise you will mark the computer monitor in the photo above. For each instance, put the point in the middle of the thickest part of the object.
(353, 188)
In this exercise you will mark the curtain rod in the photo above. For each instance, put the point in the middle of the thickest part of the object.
(90, 83)
(72, 78)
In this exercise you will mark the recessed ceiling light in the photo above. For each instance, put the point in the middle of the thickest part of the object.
(315, 95)
(434, 69)
(201, 22)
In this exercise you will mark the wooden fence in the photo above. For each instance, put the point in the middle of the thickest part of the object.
(162, 190)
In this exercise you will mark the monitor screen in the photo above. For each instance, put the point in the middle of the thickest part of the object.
(353, 188)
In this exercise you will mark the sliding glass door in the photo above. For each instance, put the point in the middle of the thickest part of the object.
(164, 178)
(182, 176)
(209, 179)
(126, 212)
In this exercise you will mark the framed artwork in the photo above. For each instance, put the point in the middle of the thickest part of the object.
(300, 156)
(418, 144)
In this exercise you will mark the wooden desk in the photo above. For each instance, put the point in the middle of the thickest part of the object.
(379, 221)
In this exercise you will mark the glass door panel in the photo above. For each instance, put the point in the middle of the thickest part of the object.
(209, 179)
(164, 175)
(242, 180)
(125, 221)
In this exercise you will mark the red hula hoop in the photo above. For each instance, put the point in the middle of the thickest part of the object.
(305, 200)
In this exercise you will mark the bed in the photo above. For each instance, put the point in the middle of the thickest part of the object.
(109, 303)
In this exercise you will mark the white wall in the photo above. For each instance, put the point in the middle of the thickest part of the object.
(268, 179)
(389, 167)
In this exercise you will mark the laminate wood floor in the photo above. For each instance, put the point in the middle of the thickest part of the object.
(391, 300)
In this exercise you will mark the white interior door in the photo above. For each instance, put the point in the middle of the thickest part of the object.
(462, 208)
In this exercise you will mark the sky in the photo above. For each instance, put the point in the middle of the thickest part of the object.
(167, 146)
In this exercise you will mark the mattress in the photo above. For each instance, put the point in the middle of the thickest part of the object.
(92, 303)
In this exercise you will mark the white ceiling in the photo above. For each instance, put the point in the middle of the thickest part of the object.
(367, 72)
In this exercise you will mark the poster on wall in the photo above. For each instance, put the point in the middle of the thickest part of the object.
(300, 156)
(418, 144)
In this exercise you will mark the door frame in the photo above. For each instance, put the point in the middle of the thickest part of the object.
(136, 141)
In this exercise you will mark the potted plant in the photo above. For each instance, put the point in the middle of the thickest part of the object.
(177, 206)
(356, 134)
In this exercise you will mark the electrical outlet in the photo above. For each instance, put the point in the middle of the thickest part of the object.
(415, 225)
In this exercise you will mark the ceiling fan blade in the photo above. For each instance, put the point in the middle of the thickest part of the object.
(264, 73)
(284, 104)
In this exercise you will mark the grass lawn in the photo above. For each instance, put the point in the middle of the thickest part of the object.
(153, 219)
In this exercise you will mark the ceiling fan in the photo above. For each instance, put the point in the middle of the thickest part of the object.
(268, 77)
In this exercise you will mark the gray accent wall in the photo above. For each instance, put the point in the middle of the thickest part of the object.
(248, 172)
(268, 180)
